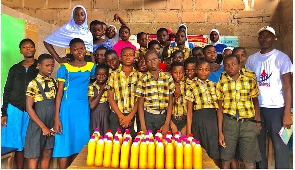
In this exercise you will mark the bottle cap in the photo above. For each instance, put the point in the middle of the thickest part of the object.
(109, 130)
(198, 142)
(101, 137)
(127, 130)
(92, 137)
(96, 129)
(191, 135)
(169, 132)
(159, 131)
(138, 133)
(176, 133)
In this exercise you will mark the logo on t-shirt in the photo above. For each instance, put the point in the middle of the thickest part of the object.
(264, 79)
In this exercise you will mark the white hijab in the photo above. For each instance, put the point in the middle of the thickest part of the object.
(186, 42)
(62, 36)
(214, 43)
(116, 38)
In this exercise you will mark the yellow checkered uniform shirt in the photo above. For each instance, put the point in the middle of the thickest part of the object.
(186, 51)
(104, 97)
(124, 89)
(34, 91)
(180, 104)
(202, 94)
(137, 52)
(245, 71)
(237, 95)
(155, 92)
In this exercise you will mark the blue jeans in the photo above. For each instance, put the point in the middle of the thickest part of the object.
(273, 122)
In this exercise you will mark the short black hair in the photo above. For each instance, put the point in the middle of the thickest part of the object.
(190, 60)
(231, 56)
(153, 42)
(43, 57)
(175, 64)
(101, 48)
(95, 22)
(76, 40)
(124, 27)
(182, 26)
(102, 66)
(207, 46)
(149, 52)
(161, 30)
(109, 52)
(139, 35)
(179, 31)
(197, 48)
(125, 48)
(176, 52)
(26, 40)
(201, 62)
(239, 48)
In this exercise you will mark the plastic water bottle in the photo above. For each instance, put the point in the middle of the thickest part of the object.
(197, 159)
(127, 131)
(108, 153)
(151, 154)
(178, 154)
(91, 151)
(125, 151)
(134, 154)
(169, 154)
(143, 155)
(116, 152)
(99, 152)
(151, 134)
(188, 154)
(160, 155)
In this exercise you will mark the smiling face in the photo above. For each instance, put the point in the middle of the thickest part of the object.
(78, 50)
(79, 16)
(46, 67)
(190, 70)
(27, 49)
(110, 33)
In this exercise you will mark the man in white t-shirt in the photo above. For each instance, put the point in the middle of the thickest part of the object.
(273, 70)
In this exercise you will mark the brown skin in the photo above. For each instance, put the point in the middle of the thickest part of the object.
(112, 61)
(178, 57)
(97, 33)
(156, 48)
(142, 41)
(127, 57)
(28, 51)
(141, 64)
(226, 53)
(78, 50)
(214, 37)
(266, 40)
(211, 55)
(242, 56)
(198, 54)
(46, 68)
(190, 70)
(124, 34)
(99, 57)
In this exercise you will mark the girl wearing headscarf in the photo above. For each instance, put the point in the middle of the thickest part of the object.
(112, 34)
(183, 28)
(76, 28)
(214, 38)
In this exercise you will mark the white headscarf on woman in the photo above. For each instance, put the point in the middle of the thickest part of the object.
(116, 38)
(217, 42)
(186, 42)
(62, 36)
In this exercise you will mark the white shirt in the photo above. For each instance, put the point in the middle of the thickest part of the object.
(269, 69)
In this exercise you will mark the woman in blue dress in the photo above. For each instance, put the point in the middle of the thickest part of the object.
(72, 117)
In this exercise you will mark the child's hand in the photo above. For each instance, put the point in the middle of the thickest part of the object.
(125, 121)
(165, 128)
(57, 127)
(221, 140)
(116, 17)
(46, 131)
(4, 121)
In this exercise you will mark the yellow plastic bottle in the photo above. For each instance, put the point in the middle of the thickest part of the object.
(159, 134)
(187, 156)
(91, 152)
(151, 155)
(190, 138)
(107, 153)
(143, 155)
(125, 151)
(160, 155)
(178, 154)
(109, 134)
(151, 134)
(197, 159)
(96, 134)
(116, 152)
(134, 154)
(169, 155)
(120, 136)
(99, 152)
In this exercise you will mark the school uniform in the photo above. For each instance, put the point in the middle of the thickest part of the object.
(124, 95)
(239, 127)
(43, 90)
(204, 118)
(138, 51)
(186, 51)
(179, 109)
(156, 97)
(99, 116)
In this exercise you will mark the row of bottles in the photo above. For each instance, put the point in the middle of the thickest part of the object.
(145, 152)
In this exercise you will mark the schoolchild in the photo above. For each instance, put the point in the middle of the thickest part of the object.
(76, 28)
(72, 112)
(238, 115)
(14, 118)
(163, 38)
(183, 28)
(111, 59)
(40, 105)
(190, 68)
(98, 99)
(198, 53)
(201, 111)
(179, 111)
(210, 55)
(97, 30)
(142, 41)
(177, 56)
(155, 96)
(124, 34)
(121, 93)
(156, 47)
(100, 55)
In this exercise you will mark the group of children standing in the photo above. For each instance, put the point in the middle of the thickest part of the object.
(159, 86)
